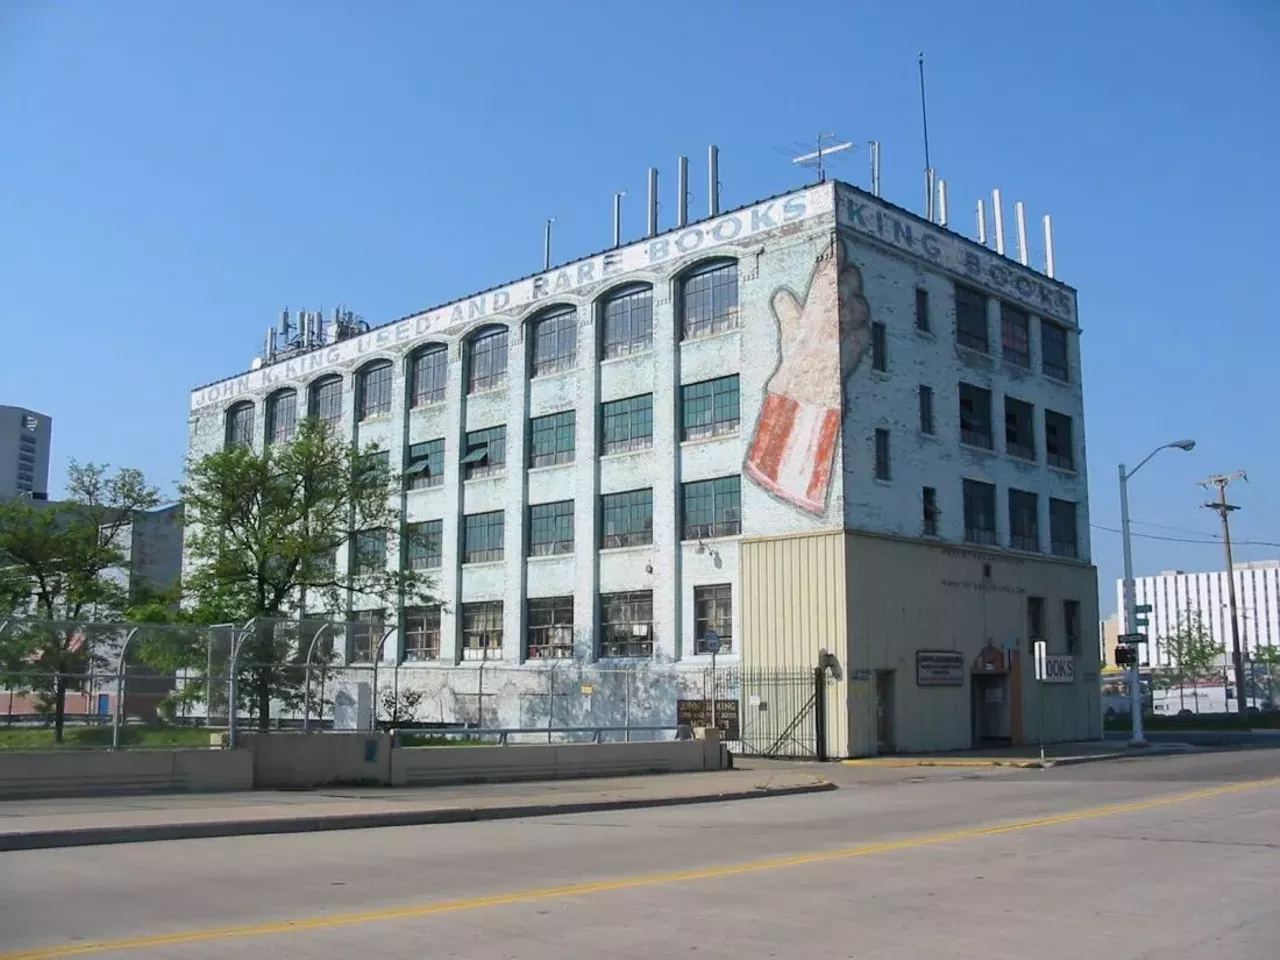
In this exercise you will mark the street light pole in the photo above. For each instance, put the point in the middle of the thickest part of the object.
(1137, 737)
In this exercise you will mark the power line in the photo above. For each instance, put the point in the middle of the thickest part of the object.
(1216, 541)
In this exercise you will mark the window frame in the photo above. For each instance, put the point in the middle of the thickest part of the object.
(615, 411)
(559, 515)
(496, 363)
(274, 403)
(713, 397)
(929, 511)
(712, 606)
(1015, 335)
(879, 347)
(882, 469)
(317, 401)
(719, 320)
(427, 384)
(366, 544)
(971, 422)
(236, 424)
(1060, 460)
(479, 634)
(1020, 412)
(424, 545)
(562, 427)
(484, 453)
(966, 330)
(362, 644)
(632, 317)
(922, 310)
(374, 397)
(636, 506)
(484, 523)
(558, 611)
(555, 330)
(617, 639)
(1071, 634)
(972, 533)
(419, 459)
(422, 622)
(1058, 510)
(725, 499)
(928, 424)
(1024, 504)
(1050, 367)
(1035, 619)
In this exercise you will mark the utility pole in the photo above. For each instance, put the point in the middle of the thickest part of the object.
(1223, 509)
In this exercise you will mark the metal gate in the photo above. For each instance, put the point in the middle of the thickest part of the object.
(782, 713)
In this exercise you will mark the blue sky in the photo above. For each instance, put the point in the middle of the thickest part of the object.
(172, 175)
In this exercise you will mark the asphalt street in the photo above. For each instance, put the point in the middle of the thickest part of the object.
(1171, 857)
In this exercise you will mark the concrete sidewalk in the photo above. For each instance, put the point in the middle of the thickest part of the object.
(86, 821)
(1027, 757)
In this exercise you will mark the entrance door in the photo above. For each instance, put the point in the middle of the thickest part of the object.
(104, 704)
(884, 712)
(990, 709)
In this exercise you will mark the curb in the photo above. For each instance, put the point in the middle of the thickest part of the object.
(146, 833)
(1018, 763)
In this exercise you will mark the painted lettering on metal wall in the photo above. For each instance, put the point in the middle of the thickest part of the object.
(1039, 294)
(455, 318)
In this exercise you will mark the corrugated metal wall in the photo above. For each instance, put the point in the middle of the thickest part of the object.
(793, 606)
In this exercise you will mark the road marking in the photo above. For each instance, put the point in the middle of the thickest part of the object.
(150, 941)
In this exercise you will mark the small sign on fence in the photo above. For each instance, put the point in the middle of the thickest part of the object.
(697, 713)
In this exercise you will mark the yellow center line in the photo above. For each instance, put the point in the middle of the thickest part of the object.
(623, 883)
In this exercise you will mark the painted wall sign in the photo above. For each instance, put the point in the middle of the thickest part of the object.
(1042, 296)
(697, 713)
(940, 668)
(1060, 669)
(452, 319)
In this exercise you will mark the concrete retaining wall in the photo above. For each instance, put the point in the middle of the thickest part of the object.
(315, 760)
(70, 773)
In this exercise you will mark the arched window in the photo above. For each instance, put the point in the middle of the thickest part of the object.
(325, 402)
(373, 385)
(626, 322)
(555, 341)
(709, 299)
(282, 416)
(240, 425)
(487, 360)
(428, 371)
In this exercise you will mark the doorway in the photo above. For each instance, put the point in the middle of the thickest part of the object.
(990, 709)
(884, 712)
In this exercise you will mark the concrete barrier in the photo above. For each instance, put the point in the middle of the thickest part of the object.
(302, 760)
(71, 773)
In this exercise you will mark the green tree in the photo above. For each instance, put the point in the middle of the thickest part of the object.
(57, 562)
(264, 533)
(1269, 658)
(1193, 652)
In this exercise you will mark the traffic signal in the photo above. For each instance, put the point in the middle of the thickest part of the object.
(1126, 656)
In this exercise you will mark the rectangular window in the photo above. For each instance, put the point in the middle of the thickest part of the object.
(425, 466)
(626, 424)
(929, 504)
(709, 408)
(975, 416)
(627, 518)
(1024, 523)
(626, 624)
(1058, 443)
(375, 390)
(550, 628)
(710, 301)
(551, 439)
(482, 630)
(882, 454)
(326, 401)
(550, 528)
(926, 409)
(369, 552)
(1062, 528)
(922, 309)
(375, 467)
(1053, 351)
(240, 425)
(555, 343)
(713, 611)
(1035, 618)
(712, 508)
(282, 417)
(364, 633)
(424, 545)
(979, 512)
(1071, 624)
(1019, 429)
(487, 361)
(484, 453)
(482, 535)
(422, 633)
(627, 321)
(1015, 335)
(428, 373)
(879, 349)
(971, 319)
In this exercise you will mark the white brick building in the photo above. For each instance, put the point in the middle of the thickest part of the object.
(616, 455)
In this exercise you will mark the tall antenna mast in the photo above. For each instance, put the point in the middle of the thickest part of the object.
(818, 158)
(928, 167)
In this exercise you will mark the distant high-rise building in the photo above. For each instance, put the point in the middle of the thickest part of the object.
(24, 453)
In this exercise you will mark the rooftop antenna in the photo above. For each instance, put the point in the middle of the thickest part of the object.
(652, 225)
(928, 167)
(873, 148)
(546, 245)
(617, 217)
(682, 192)
(713, 180)
(1048, 246)
(818, 158)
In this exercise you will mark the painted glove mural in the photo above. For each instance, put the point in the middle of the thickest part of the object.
(794, 447)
